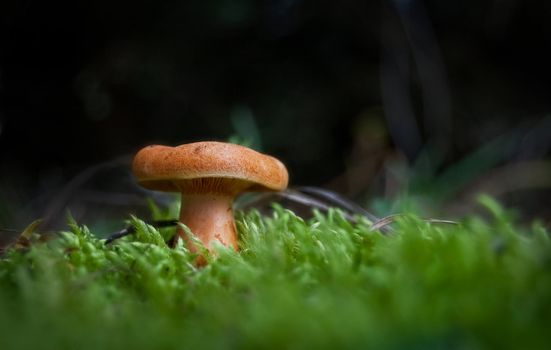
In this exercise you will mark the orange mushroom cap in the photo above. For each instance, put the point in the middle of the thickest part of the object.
(208, 167)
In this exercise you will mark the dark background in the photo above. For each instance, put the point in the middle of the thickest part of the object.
(395, 104)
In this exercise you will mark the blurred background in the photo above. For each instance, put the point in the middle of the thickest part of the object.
(397, 105)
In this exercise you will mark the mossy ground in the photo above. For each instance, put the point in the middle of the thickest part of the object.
(324, 282)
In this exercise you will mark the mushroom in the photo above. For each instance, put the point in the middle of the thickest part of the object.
(209, 175)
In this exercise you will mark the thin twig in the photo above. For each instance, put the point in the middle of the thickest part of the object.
(131, 229)
(339, 200)
(390, 219)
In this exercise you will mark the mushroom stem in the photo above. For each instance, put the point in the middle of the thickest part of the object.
(210, 218)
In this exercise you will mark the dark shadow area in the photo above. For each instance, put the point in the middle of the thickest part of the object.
(398, 105)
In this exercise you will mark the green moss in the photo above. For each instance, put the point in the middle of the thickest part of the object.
(323, 282)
